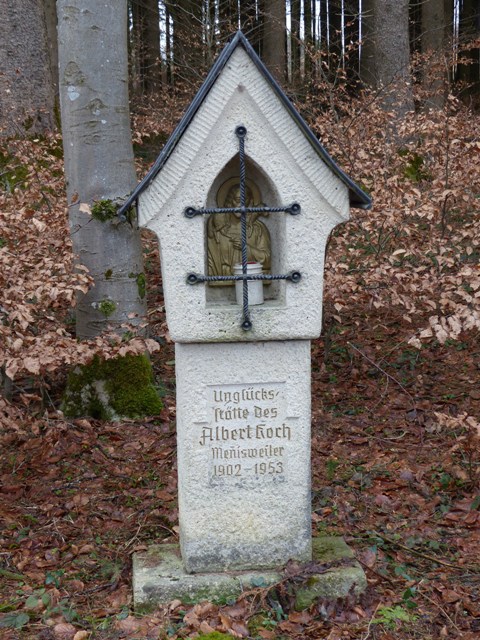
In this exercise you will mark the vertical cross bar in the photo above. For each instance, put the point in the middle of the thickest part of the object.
(241, 132)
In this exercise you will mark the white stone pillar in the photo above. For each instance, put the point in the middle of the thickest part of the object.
(243, 429)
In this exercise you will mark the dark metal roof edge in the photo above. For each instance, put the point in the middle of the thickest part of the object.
(358, 198)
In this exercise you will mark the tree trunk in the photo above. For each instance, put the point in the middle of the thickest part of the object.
(251, 22)
(352, 37)
(274, 40)
(469, 30)
(146, 30)
(392, 55)
(99, 159)
(335, 47)
(52, 41)
(367, 51)
(27, 96)
(187, 39)
(435, 41)
(210, 28)
(295, 44)
(228, 18)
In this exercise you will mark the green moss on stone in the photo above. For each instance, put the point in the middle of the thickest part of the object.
(107, 307)
(108, 274)
(104, 210)
(110, 389)
(214, 635)
(339, 581)
(141, 284)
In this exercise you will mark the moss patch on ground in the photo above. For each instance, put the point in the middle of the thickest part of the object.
(112, 389)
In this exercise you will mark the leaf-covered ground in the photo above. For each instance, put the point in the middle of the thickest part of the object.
(396, 408)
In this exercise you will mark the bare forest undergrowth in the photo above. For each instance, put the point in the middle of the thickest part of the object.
(396, 404)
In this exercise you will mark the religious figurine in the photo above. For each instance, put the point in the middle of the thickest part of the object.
(224, 232)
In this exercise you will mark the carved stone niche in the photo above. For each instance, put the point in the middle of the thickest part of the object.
(287, 164)
(263, 191)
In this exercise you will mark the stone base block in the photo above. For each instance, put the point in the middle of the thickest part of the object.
(159, 577)
(344, 578)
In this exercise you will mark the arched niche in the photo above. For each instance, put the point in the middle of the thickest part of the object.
(274, 291)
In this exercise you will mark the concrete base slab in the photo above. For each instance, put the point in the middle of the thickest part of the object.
(159, 577)
(343, 578)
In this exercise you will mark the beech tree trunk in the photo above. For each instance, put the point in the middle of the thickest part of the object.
(52, 42)
(367, 51)
(392, 55)
(146, 30)
(274, 40)
(93, 75)
(335, 47)
(188, 53)
(352, 37)
(27, 96)
(436, 43)
(295, 45)
(469, 31)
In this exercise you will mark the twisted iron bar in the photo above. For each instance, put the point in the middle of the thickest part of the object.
(241, 132)
(293, 209)
(196, 278)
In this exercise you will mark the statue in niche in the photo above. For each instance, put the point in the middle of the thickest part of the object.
(224, 232)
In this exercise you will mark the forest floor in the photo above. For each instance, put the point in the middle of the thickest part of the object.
(395, 470)
(78, 498)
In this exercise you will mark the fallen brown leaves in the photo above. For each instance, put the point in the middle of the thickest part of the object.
(395, 429)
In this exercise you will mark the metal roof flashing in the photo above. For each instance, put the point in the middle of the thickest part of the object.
(358, 198)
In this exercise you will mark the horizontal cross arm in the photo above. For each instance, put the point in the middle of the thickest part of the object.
(293, 209)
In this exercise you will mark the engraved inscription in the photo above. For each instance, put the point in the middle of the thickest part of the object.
(247, 435)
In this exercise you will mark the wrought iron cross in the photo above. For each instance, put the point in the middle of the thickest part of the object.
(293, 209)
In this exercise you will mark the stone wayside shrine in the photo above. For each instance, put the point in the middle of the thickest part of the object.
(242, 198)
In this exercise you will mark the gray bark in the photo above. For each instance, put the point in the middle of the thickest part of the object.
(392, 55)
(146, 30)
(26, 89)
(367, 53)
(274, 42)
(93, 70)
(436, 36)
(469, 32)
(52, 40)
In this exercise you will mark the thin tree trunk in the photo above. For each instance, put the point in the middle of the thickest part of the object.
(152, 73)
(352, 38)
(308, 39)
(295, 44)
(228, 18)
(146, 32)
(27, 96)
(367, 52)
(99, 159)
(469, 30)
(52, 41)
(335, 48)
(187, 38)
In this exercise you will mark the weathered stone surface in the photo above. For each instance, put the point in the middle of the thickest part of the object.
(159, 577)
(286, 168)
(337, 582)
(243, 429)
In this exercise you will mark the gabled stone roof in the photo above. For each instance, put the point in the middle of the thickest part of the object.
(357, 197)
